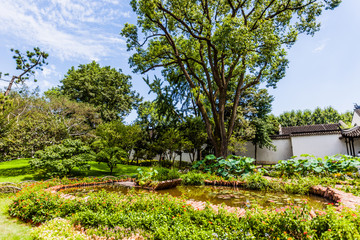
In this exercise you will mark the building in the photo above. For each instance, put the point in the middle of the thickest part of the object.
(318, 140)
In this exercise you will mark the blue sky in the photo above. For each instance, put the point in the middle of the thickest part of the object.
(323, 69)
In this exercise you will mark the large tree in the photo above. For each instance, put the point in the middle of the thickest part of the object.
(104, 87)
(219, 48)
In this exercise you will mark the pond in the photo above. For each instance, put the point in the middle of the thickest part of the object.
(234, 197)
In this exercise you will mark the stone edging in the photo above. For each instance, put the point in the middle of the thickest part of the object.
(336, 195)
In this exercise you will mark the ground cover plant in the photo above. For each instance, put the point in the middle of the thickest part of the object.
(157, 216)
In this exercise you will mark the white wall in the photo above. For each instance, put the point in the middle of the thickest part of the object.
(266, 156)
(356, 119)
(319, 146)
(283, 151)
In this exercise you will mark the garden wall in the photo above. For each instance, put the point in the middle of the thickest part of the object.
(266, 156)
(319, 146)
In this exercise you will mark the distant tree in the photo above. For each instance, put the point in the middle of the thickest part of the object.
(104, 87)
(27, 63)
(307, 117)
(40, 122)
(253, 122)
(193, 130)
(115, 134)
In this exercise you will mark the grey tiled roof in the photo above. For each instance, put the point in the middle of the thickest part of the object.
(352, 132)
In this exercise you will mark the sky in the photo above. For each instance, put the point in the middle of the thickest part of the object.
(323, 69)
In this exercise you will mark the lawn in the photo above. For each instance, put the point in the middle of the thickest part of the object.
(11, 228)
(19, 170)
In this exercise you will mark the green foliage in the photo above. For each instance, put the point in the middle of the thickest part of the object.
(57, 228)
(228, 167)
(32, 123)
(103, 87)
(115, 134)
(59, 160)
(256, 182)
(311, 165)
(193, 178)
(149, 177)
(146, 177)
(165, 217)
(111, 156)
(211, 53)
(307, 117)
(29, 62)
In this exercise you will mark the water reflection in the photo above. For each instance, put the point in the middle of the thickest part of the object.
(234, 197)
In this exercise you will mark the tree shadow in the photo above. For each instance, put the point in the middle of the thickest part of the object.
(14, 172)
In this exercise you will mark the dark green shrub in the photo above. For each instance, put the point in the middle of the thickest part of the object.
(59, 160)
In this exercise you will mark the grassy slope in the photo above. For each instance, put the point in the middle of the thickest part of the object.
(10, 228)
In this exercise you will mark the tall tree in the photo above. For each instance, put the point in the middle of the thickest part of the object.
(27, 64)
(219, 49)
(104, 87)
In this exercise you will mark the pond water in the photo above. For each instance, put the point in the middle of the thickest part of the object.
(234, 197)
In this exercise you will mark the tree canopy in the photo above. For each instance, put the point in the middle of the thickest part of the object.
(308, 117)
(104, 87)
(215, 50)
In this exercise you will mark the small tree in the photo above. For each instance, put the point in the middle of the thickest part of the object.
(27, 63)
(111, 156)
(59, 160)
(117, 134)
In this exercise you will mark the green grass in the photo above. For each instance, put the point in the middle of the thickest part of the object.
(11, 228)
(19, 170)
(16, 171)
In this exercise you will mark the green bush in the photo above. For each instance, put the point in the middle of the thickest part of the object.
(256, 182)
(193, 178)
(59, 160)
(167, 174)
(152, 176)
(231, 166)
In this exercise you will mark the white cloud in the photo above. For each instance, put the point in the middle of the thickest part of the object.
(66, 28)
(321, 46)
(49, 71)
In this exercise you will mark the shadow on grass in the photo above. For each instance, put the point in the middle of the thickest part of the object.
(14, 172)
(101, 169)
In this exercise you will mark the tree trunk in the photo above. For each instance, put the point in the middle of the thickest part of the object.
(255, 153)
(10, 85)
